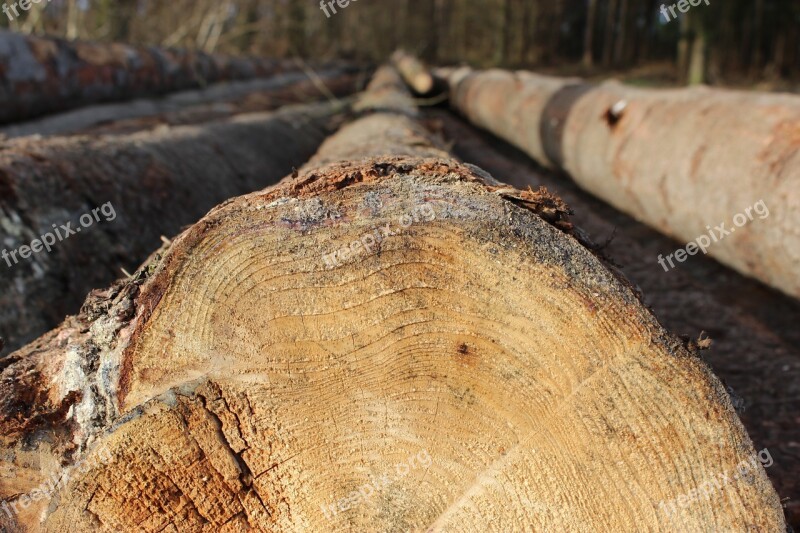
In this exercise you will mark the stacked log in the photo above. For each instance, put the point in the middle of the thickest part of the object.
(704, 166)
(199, 105)
(390, 340)
(42, 75)
(416, 75)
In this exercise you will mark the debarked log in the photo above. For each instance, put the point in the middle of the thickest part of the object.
(391, 340)
(416, 75)
(194, 106)
(715, 168)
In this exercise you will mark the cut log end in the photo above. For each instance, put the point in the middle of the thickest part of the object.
(459, 355)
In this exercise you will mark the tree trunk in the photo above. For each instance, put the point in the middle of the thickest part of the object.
(297, 28)
(433, 14)
(619, 45)
(154, 181)
(588, 34)
(757, 64)
(73, 16)
(642, 52)
(608, 45)
(555, 47)
(55, 75)
(697, 63)
(121, 13)
(506, 33)
(661, 155)
(529, 33)
(684, 46)
(312, 356)
(421, 28)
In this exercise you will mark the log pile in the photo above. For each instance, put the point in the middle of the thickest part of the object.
(43, 75)
(387, 340)
(156, 181)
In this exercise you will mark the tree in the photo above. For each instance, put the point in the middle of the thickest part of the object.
(588, 34)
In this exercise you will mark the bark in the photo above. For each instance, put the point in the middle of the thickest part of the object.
(661, 155)
(297, 28)
(757, 61)
(621, 42)
(608, 44)
(244, 379)
(506, 32)
(156, 182)
(215, 101)
(684, 47)
(529, 31)
(588, 34)
(44, 75)
(121, 12)
(420, 25)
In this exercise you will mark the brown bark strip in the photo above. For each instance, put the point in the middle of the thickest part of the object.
(662, 156)
(240, 381)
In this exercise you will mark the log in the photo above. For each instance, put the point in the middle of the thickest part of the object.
(470, 367)
(187, 107)
(153, 183)
(696, 164)
(744, 318)
(416, 75)
(42, 75)
(339, 88)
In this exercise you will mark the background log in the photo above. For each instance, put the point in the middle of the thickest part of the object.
(414, 72)
(44, 75)
(241, 379)
(215, 101)
(683, 161)
(756, 348)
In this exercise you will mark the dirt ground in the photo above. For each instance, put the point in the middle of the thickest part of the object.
(756, 330)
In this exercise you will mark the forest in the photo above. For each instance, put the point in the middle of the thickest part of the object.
(731, 42)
